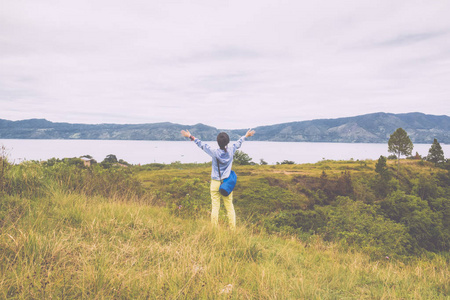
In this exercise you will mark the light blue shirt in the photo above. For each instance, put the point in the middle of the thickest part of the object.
(225, 158)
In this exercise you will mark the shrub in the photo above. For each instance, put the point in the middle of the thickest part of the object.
(424, 225)
(260, 198)
(33, 179)
(308, 221)
(357, 224)
(187, 197)
(26, 179)
(286, 162)
(344, 184)
(425, 188)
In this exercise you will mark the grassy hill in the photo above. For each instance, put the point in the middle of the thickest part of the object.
(67, 231)
(72, 246)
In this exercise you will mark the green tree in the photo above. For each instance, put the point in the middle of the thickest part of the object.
(344, 185)
(242, 158)
(381, 183)
(123, 162)
(381, 166)
(436, 154)
(74, 161)
(358, 224)
(424, 225)
(109, 161)
(111, 158)
(399, 143)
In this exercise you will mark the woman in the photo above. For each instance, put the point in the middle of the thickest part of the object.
(224, 158)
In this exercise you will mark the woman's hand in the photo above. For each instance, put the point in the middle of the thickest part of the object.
(250, 132)
(185, 133)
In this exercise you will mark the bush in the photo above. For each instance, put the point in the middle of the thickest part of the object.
(260, 198)
(424, 225)
(188, 198)
(357, 224)
(286, 162)
(33, 179)
(26, 179)
(308, 221)
(344, 185)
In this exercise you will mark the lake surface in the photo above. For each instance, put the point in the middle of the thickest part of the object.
(144, 152)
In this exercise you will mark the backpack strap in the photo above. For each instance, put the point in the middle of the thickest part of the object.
(218, 168)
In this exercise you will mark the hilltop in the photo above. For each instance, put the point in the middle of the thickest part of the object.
(370, 128)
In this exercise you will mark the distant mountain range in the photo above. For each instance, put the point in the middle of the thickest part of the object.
(370, 128)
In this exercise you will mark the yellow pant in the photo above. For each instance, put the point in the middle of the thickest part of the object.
(227, 201)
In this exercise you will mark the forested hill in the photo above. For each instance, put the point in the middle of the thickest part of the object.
(370, 128)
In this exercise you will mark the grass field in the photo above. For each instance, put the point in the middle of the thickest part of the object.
(68, 246)
(71, 232)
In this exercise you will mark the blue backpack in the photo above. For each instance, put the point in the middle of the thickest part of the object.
(228, 184)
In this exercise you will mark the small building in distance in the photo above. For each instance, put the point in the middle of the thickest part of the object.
(87, 161)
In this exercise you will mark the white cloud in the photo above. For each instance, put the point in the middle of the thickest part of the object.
(230, 64)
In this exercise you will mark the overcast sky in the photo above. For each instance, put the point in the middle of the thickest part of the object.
(228, 64)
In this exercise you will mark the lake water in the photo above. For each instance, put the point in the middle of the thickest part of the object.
(144, 152)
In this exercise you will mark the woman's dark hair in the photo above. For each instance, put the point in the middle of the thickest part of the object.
(223, 139)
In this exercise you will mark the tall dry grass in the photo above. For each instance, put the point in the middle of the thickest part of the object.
(70, 246)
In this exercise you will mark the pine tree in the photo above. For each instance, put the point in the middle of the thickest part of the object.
(381, 167)
(381, 183)
(436, 154)
(400, 143)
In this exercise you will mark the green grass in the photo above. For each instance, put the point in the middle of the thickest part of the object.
(155, 177)
(70, 246)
